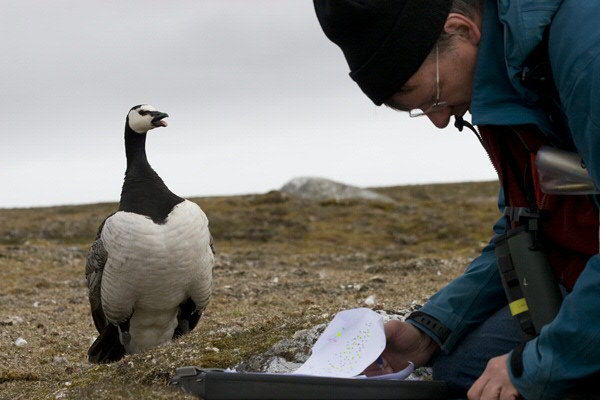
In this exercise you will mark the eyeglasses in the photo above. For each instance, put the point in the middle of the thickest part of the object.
(437, 105)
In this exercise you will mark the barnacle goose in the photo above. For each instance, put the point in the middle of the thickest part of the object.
(149, 271)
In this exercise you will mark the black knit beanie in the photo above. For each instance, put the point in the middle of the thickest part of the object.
(384, 41)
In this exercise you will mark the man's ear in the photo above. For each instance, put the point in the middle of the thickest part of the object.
(463, 27)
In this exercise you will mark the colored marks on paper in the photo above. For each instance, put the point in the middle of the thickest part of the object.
(349, 344)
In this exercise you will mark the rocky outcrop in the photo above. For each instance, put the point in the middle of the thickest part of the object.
(313, 188)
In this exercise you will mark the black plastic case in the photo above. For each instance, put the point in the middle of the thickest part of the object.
(215, 384)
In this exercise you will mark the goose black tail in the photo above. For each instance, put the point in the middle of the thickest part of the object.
(107, 347)
(187, 318)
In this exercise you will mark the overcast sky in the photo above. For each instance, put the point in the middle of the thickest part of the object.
(256, 95)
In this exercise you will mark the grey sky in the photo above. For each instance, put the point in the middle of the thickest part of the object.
(256, 93)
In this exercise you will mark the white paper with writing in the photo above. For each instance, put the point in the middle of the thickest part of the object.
(351, 342)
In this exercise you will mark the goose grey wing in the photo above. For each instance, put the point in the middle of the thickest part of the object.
(94, 267)
(107, 346)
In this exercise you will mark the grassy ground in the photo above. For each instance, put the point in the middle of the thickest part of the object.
(282, 265)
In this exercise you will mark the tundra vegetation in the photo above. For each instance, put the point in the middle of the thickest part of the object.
(283, 264)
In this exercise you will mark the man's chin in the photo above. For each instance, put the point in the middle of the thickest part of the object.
(460, 111)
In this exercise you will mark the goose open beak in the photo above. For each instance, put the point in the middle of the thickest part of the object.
(157, 118)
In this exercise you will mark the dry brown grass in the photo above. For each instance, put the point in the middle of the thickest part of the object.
(283, 265)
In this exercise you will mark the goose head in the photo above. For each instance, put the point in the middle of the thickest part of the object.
(145, 117)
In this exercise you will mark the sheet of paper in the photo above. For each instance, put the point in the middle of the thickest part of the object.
(350, 343)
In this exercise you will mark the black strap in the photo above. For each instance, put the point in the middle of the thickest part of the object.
(460, 123)
(435, 326)
(516, 360)
(512, 287)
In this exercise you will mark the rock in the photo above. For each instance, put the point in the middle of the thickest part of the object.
(289, 354)
(377, 279)
(60, 360)
(11, 320)
(370, 301)
(313, 188)
(20, 342)
(286, 355)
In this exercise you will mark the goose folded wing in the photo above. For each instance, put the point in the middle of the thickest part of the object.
(94, 268)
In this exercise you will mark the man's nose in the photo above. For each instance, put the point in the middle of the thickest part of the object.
(440, 118)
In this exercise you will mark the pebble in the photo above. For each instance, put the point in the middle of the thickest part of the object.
(20, 342)
(377, 279)
(370, 301)
(12, 320)
(60, 360)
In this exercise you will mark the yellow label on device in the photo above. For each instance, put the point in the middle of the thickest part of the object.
(518, 306)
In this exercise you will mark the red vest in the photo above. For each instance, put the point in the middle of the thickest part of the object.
(569, 223)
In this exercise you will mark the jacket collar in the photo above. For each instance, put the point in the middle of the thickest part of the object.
(510, 30)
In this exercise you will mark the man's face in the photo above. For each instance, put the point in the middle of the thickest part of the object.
(456, 69)
(451, 69)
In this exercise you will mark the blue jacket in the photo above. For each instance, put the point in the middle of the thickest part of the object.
(569, 347)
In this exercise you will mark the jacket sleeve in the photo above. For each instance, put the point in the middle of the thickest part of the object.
(569, 348)
(469, 299)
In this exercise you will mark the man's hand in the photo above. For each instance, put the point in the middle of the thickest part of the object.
(404, 343)
(494, 383)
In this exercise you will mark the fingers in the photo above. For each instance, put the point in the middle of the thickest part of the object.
(372, 370)
(494, 383)
(476, 390)
(375, 369)
(492, 392)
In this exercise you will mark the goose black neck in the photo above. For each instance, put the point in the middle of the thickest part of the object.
(144, 192)
(135, 150)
